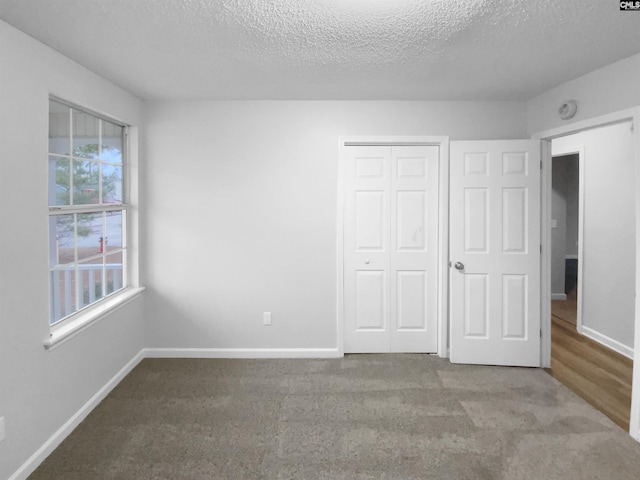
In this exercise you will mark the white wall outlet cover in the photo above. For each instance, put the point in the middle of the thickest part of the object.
(1, 429)
(568, 109)
(266, 318)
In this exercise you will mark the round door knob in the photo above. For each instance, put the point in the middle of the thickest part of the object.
(459, 266)
(367, 261)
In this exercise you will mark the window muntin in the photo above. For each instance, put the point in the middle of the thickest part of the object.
(87, 209)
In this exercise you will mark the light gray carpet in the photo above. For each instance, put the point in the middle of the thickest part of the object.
(360, 417)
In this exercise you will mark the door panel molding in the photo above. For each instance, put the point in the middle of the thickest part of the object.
(494, 242)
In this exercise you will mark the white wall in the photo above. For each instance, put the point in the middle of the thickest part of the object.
(572, 184)
(607, 90)
(39, 389)
(559, 232)
(241, 211)
(564, 211)
(609, 230)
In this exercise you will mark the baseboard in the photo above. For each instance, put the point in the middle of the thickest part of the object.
(241, 353)
(607, 342)
(558, 296)
(56, 439)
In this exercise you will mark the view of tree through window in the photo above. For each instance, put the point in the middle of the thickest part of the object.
(87, 214)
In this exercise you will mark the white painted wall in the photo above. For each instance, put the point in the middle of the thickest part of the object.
(241, 211)
(564, 211)
(559, 231)
(572, 184)
(39, 389)
(609, 230)
(607, 90)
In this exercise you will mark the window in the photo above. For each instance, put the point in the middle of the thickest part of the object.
(87, 209)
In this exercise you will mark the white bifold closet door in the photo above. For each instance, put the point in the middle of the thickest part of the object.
(390, 248)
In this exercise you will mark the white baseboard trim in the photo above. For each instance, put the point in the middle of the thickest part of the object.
(607, 342)
(558, 296)
(56, 439)
(241, 353)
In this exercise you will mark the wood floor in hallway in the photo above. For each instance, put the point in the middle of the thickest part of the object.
(598, 374)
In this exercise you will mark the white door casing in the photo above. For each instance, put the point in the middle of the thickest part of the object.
(495, 240)
(546, 137)
(390, 248)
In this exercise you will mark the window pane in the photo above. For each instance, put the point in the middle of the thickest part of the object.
(63, 293)
(114, 230)
(85, 167)
(59, 178)
(114, 272)
(85, 182)
(90, 234)
(90, 281)
(85, 135)
(59, 128)
(111, 184)
(111, 143)
(61, 240)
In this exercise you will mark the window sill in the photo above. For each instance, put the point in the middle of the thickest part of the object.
(82, 320)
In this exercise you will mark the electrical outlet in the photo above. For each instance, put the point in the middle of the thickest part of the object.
(1, 428)
(266, 318)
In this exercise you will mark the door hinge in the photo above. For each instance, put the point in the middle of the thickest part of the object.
(540, 333)
(540, 248)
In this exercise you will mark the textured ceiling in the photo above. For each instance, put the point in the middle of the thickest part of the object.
(333, 49)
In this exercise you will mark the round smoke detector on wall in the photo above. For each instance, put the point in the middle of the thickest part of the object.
(568, 109)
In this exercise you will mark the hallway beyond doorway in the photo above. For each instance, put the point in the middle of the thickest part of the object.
(566, 310)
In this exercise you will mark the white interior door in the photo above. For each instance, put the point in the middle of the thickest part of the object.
(495, 252)
(390, 248)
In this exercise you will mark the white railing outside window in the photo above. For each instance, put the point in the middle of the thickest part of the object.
(84, 282)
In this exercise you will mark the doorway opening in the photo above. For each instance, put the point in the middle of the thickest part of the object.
(566, 223)
(592, 227)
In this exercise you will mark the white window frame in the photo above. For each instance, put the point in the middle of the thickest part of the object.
(83, 316)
